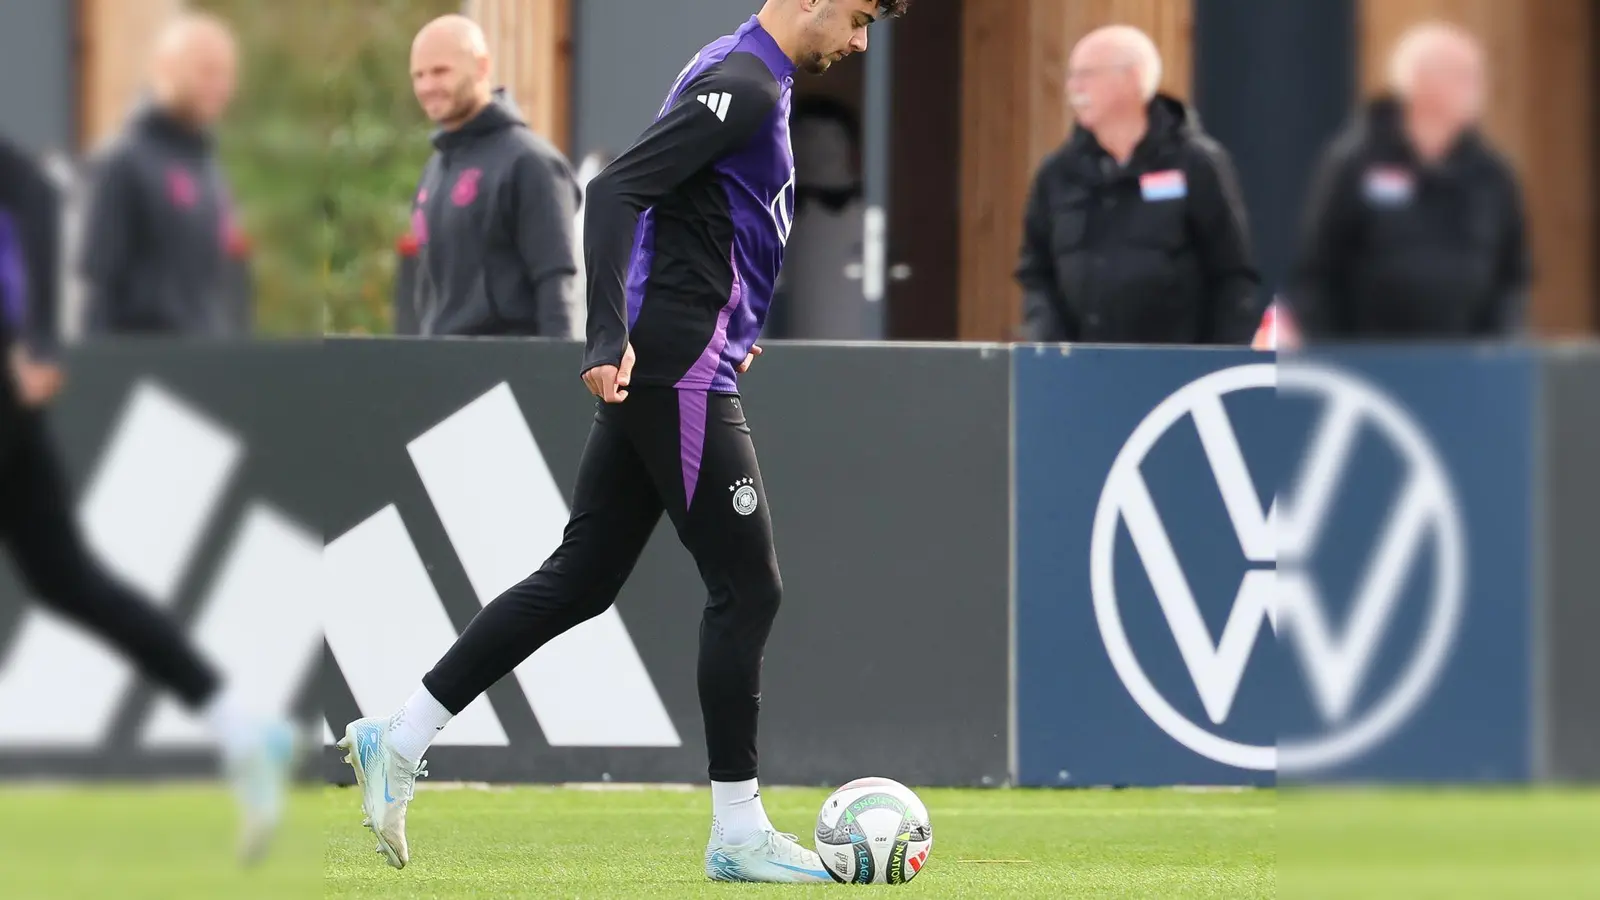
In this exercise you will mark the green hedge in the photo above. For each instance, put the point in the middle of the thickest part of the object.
(324, 146)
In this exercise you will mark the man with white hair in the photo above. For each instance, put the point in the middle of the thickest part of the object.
(161, 252)
(1415, 224)
(1135, 229)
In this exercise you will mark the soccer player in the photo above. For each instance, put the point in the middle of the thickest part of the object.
(684, 236)
(38, 528)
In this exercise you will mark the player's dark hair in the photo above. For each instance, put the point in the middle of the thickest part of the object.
(890, 9)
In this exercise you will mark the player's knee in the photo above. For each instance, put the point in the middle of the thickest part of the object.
(765, 594)
(589, 593)
(580, 584)
(593, 603)
(595, 588)
(58, 584)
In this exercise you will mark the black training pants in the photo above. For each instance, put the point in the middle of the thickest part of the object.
(39, 527)
(688, 453)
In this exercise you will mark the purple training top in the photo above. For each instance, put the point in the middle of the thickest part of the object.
(707, 196)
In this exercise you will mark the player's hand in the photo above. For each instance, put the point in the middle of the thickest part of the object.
(610, 383)
(755, 351)
(37, 383)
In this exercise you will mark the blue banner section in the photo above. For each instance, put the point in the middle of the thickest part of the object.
(1236, 570)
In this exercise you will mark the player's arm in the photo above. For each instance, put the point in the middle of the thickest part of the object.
(31, 203)
(11, 299)
(31, 206)
(688, 137)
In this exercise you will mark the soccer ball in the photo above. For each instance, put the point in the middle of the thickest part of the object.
(874, 831)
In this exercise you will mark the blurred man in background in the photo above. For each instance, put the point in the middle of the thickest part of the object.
(1415, 224)
(161, 252)
(39, 529)
(1135, 230)
(494, 209)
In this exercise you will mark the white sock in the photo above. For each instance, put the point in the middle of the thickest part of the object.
(417, 723)
(232, 726)
(736, 811)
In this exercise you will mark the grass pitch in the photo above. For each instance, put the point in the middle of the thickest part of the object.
(174, 842)
(569, 843)
(1446, 844)
(168, 842)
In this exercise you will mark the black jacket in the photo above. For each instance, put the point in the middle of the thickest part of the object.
(494, 216)
(160, 252)
(1156, 252)
(1397, 250)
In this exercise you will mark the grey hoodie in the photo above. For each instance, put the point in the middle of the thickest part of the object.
(161, 252)
(493, 215)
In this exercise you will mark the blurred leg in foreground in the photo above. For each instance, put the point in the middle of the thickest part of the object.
(38, 527)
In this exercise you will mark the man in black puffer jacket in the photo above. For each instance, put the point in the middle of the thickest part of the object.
(1415, 229)
(1135, 230)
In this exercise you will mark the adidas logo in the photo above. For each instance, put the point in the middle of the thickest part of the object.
(153, 498)
(718, 104)
(146, 511)
(487, 479)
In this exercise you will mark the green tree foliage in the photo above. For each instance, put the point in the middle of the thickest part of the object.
(324, 146)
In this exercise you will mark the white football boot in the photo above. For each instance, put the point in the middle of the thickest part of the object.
(259, 776)
(770, 857)
(388, 782)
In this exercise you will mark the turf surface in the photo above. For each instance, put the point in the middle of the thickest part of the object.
(1489, 843)
(174, 842)
(568, 843)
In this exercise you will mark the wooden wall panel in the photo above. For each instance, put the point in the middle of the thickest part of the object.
(997, 152)
(531, 43)
(116, 39)
(1541, 85)
(1014, 113)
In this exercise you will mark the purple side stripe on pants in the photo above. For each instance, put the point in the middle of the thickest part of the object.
(692, 400)
(692, 437)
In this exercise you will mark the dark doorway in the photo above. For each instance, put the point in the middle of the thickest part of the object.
(827, 258)
(925, 174)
